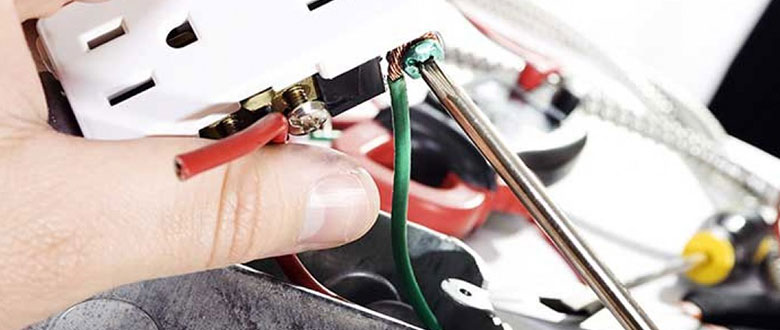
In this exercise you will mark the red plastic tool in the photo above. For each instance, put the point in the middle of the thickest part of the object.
(454, 208)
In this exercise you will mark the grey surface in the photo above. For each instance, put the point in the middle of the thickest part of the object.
(230, 298)
(103, 314)
(240, 297)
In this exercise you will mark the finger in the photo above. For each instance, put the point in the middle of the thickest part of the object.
(85, 216)
(40, 8)
(20, 89)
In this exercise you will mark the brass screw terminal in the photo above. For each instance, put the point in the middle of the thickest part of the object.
(295, 96)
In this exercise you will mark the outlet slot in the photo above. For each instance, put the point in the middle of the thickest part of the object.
(181, 36)
(130, 92)
(317, 4)
(107, 33)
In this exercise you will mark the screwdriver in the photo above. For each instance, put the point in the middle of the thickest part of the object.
(725, 244)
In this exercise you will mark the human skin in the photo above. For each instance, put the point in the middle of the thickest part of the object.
(81, 216)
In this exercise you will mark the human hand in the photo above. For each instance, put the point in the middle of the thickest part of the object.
(80, 216)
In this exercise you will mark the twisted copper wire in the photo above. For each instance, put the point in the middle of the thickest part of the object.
(395, 57)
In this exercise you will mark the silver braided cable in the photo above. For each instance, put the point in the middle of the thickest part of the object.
(682, 139)
(675, 120)
(657, 127)
(527, 16)
(465, 59)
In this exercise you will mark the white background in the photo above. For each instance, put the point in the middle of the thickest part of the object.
(691, 42)
(622, 183)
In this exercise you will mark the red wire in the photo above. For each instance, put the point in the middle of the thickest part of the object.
(296, 272)
(776, 227)
(271, 128)
(508, 43)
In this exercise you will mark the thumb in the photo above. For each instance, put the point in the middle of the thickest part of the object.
(38, 8)
(84, 216)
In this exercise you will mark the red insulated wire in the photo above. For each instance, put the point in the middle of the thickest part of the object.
(776, 227)
(508, 43)
(297, 273)
(537, 66)
(271, 128)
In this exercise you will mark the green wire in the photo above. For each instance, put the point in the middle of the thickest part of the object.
(402, 136)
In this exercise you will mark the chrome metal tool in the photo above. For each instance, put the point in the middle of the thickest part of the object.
(530, 191)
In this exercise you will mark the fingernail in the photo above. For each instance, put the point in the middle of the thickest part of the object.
(337, 210)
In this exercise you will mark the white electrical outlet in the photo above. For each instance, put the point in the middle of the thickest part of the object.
(133, 68)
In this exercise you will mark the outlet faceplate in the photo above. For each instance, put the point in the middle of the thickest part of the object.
(133, 68)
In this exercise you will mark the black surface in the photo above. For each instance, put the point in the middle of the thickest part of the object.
(439, 146)
(61, 116)
(565, 101)
(559, 306)
(317, 4)
(435, 257)
(733, 308)
(552, 164)
(397, 310)
(181, 36)
(748, 100)
(363, 288)
(351, 88)
(131, 92)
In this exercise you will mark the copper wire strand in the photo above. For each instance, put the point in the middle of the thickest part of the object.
(395, 57)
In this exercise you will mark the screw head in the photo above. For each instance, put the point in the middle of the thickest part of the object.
(307, 117)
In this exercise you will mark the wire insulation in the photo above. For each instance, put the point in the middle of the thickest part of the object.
(401, 175)
(296, 272)
(271, 128)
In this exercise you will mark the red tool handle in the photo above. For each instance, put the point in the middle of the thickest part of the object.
(454, 208)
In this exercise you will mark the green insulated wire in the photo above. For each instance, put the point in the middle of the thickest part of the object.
(402, 136)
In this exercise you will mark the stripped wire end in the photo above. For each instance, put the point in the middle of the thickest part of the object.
(271, 128)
